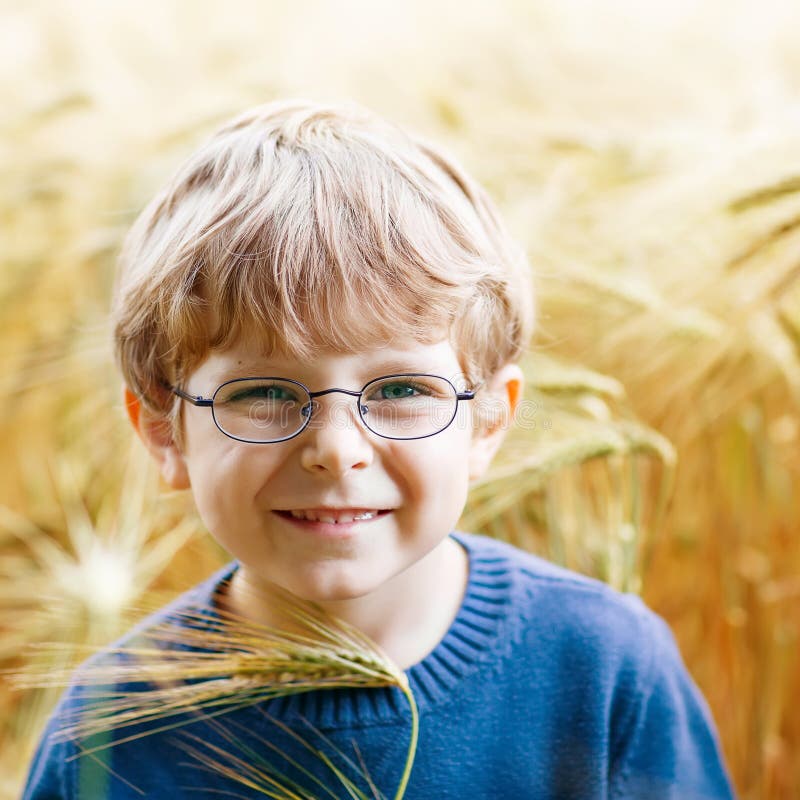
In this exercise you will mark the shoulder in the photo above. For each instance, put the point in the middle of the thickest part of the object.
(189, 608)
(104, 674)
(565, 616)
(195, 602)
(589, 653)
(544, 587)
(200, 596)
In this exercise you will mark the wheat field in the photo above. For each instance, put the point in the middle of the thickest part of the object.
(647, 155)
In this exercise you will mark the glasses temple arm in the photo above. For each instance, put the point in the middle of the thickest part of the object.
(194, 400)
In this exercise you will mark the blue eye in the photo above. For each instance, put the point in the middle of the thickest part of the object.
(396, 391)
(400, 389)
(247, 392)
(261, 393)
(274, 393)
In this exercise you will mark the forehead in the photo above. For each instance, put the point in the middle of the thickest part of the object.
(247, 359)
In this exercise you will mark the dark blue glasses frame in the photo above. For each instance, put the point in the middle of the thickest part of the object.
(208, 402)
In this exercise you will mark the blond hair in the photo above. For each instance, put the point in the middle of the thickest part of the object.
(315, 227)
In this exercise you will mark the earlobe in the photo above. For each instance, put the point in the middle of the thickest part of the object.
(514, 386)
(504, 392)
(156, 433)
(132, 407)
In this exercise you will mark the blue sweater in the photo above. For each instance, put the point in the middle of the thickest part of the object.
(547, 686)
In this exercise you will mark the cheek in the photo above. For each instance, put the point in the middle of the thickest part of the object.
(226, 481)
(434, 471)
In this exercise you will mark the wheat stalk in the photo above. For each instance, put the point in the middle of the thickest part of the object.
(235, 662)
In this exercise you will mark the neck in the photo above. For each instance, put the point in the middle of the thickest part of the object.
(406, 617)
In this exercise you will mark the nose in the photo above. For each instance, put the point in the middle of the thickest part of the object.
(335, 441)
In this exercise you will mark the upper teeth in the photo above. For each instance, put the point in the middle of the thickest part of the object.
(332, 516)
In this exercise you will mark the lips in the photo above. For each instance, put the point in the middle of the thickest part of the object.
(335, 516)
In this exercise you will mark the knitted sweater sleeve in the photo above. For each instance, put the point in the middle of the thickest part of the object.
(61, 768)
(47, 775)
(669, 748)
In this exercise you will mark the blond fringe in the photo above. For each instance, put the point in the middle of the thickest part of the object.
(312, 228)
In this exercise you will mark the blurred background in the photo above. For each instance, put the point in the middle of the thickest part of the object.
(647, 154)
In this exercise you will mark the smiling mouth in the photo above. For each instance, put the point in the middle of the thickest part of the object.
(335, 516)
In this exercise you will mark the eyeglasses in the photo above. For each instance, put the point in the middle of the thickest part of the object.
(269, 410)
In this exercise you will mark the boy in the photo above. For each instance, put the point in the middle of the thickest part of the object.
(318, 322)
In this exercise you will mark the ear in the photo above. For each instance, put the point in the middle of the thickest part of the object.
(500, 398)
(156, 433)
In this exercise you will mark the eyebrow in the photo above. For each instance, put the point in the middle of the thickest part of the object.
(396, 365)
(389, 366)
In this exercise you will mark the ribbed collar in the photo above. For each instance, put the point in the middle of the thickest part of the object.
(473, 638)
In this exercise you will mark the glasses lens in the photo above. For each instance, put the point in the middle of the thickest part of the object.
(408, 406)
(261, 409)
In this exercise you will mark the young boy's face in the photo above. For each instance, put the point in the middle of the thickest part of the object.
(412, 491)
